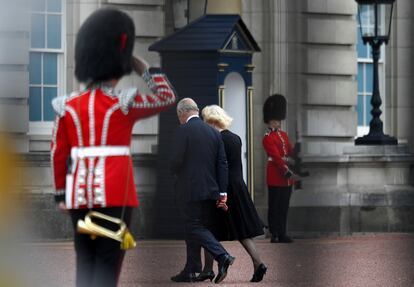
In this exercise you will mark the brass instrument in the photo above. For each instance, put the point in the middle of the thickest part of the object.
(87, 226)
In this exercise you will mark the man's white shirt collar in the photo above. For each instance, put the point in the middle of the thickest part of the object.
(190, 117)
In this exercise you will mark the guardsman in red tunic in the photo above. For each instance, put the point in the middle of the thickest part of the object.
(278, 175)
(93, 132)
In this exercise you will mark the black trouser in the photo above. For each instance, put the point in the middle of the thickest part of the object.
(197, 216)
(98, 261)
(279, 197)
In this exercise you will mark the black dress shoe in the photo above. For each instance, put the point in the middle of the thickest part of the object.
(204, 276)
(259, 273)
(285, 239)
(184, 277)
(223, 264)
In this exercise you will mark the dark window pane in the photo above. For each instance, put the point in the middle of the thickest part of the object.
(48, 95)
(49, 69)
(360, 78)
(35, 68)
(38, 5)
(54, 31)
(54, 5)
(360, 110)
(37, 32)
(369, 79)
(35, 104)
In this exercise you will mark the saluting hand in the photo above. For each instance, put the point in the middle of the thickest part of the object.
(139, 65)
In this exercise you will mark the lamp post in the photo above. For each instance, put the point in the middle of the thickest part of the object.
(374, 18)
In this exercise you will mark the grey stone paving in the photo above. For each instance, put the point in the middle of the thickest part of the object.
(364, 260)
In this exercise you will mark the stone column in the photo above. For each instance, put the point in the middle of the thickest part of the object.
(149, 20)
(325, 95)
(399, 86)
(256, 16)
(278, 29)
(14, 78)
(329, 119)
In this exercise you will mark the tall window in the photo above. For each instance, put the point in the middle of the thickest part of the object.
(365, 82)
(46, 59)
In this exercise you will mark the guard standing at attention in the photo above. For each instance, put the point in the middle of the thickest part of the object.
(279, 177)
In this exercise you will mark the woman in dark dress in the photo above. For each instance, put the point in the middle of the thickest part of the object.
(241, 221)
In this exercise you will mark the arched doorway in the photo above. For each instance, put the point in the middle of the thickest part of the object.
(234, 102)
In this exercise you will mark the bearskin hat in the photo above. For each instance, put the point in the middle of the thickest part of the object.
(104, 45)
(274, 108)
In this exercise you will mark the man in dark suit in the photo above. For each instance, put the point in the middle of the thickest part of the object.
(200, 166)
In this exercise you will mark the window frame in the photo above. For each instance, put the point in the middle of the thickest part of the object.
(363, 130)
(45, 127)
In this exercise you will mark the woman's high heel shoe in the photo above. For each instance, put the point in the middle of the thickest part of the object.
(204, 276)
(259, 273)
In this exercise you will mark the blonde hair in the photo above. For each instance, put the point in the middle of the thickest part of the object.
(215, 115)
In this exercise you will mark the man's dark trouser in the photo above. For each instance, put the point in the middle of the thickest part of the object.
(99, 261)
(197, 216)
(279, 197)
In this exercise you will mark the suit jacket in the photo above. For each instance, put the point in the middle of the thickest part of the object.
(198, 162)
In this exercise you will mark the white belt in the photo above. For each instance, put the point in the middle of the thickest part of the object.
(283, 158)
(99, 151)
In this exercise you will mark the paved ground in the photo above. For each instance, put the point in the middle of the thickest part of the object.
(368, 260)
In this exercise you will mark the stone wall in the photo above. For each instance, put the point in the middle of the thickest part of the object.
(367, 189)
(309, 55)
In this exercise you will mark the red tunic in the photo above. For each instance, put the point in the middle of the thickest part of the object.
(103, 118)
(278, 148)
